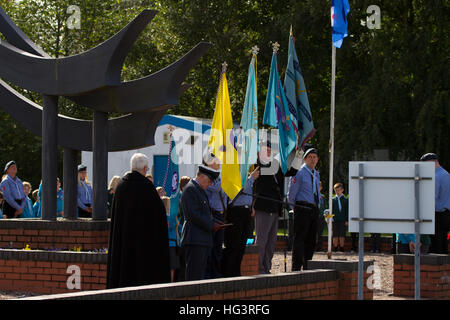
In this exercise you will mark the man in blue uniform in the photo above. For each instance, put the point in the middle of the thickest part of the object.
(84, 199)
(304, 199)
(199, 225)
(235, 236)
(13, 193)
(439, 242)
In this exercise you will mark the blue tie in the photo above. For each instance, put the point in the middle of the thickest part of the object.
(339, 203)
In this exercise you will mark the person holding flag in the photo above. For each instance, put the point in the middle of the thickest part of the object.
(239, 210)
(223, 142)
(277, 113)
(223, 145)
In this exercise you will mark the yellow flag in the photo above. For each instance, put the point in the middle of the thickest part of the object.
(223, 142)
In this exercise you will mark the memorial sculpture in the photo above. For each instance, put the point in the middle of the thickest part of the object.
(91, 79)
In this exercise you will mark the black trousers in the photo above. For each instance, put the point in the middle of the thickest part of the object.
(83, 213)
(196, 262)
(235, 240)
(305, 234)
(355, 239)
(8, 210)
(320, 226)
(375, 241)
(439, 242)
(214, 264)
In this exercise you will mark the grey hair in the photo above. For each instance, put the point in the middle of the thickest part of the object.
(138, 162)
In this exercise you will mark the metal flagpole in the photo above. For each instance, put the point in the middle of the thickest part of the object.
(330, 186)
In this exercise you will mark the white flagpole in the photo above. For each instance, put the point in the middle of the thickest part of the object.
(330, 187)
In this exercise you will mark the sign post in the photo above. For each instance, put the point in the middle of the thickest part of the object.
(383, 200)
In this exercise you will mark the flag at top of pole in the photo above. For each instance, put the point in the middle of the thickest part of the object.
(277, 113)
(339, 11)
(297, 98)
(248, 137)
(223, 141)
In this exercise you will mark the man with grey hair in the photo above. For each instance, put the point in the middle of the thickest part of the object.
(138, 252)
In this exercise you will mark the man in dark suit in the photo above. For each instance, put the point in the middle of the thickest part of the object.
(199, 225)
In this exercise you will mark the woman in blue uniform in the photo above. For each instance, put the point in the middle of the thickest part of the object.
(12, 188)
(84, 193)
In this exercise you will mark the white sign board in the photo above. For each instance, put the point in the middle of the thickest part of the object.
(386, 198)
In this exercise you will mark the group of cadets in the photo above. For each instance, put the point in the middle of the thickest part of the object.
(15, 199)
(216, 229)
(210, 233)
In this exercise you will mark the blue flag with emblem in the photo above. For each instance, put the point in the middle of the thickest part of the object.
(248, 137)
(339, 11)
(297, 97)
(278, 115)
(171, 186)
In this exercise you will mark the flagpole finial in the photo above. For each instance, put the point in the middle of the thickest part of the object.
(276, 47)
(255, 50)
(224, 66)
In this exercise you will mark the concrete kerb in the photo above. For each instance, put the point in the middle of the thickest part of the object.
(197, 288)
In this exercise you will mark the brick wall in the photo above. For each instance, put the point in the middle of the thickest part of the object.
(43, 272)
(347, 277)
(311, 284)
(47, 272)
(249, 264)
(54, 235)
(385, 244)
(434, 276)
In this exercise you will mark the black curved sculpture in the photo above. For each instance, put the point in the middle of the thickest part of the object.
(131, 131)
(93, 69)
(92, 79)
(155, 90)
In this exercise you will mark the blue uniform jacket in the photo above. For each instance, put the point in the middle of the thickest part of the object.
(214, 193)
(28, 209)
(301, 186)
(442, 189)
(198, 221)
(246, 198)
(59, 200)
(172, 228)
(84, 195)
(13, 190)
(37, 209)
